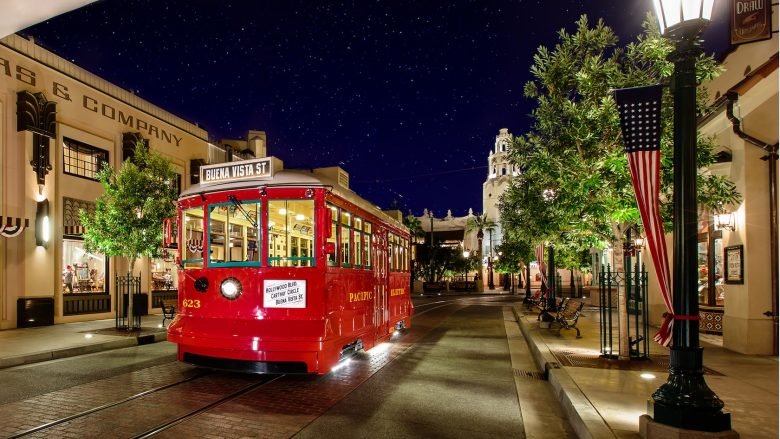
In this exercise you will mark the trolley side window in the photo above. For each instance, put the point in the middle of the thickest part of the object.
(357, 241)
(391, 250)
(346, 234)
(192, 237)
(234, 235)
(406, 255)
(291, 233)
(367, 245)
(334, 227)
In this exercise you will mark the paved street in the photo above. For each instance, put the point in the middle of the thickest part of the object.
(462, 370)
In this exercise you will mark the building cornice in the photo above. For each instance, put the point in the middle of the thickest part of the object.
(28, 48)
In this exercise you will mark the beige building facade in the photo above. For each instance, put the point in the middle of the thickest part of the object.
(738, 252)
(58, 125)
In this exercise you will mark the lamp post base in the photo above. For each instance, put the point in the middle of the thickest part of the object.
(685, 401)
(649, 429)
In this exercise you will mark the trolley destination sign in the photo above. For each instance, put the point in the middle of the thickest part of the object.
(233, 171)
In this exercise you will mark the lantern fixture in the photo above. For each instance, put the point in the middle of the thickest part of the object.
(681, 19)
(724, 221)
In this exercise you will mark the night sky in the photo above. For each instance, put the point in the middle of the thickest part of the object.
(407, 96)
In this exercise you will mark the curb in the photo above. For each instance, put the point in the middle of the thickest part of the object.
(584, 418)
(74, 351)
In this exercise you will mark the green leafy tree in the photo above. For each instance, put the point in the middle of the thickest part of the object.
(575, 188)
(439, 262)
(481, 224)
(128, 216)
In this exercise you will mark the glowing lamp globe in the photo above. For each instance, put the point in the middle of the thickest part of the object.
(682, 18)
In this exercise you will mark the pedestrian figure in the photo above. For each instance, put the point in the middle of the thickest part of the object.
(67, 278)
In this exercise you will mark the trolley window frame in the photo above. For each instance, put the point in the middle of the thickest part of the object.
(182, 231)
(260, 236)
(312, 259)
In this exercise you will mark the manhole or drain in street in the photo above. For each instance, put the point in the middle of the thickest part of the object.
(529, 374)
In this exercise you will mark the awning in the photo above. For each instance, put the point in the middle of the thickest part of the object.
(11, 226)
(74, 230)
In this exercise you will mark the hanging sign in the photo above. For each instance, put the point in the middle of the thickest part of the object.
(235, 171)
(751, 20)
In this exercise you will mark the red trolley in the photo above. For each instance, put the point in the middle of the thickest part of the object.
(285, 271)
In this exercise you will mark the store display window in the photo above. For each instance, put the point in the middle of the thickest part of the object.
(82, 271)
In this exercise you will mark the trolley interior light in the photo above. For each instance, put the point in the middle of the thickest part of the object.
(282, 211)
(230, 288)
(300, 217)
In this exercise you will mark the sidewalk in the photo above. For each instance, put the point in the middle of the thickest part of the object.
(32, 345)
(605, 398)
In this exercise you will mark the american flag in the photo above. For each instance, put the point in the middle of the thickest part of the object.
(640, 121)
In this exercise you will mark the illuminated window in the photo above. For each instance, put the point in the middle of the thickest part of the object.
(391, 251)
(291, 233)
(346, 221)
(334, 227)
(233, 233)
(82, 160)
(192, 237)
(357, 241)
(367, 245)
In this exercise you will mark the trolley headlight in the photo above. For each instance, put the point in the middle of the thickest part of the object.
(230, 288)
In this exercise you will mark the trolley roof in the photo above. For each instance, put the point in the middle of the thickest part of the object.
(292, 178)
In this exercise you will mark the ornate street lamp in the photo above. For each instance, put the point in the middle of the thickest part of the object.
(685, 401)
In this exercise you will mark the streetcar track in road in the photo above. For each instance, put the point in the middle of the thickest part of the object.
(106, 406)
(183, 418)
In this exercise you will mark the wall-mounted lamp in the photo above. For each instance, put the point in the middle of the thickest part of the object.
(724, 221)
(42, 226)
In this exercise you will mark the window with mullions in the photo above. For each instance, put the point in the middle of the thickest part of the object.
(82, 160)
(346, 218)
(404, 255)
(391, 251)
(234, 238)
(291, 233)
(357, 241)
(192, 237)
(334, 227)
(366, 244)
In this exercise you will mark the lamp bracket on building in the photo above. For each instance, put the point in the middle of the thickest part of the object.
(36, 114)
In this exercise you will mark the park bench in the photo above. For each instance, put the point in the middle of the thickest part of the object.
(463, 285)
(168, 309)
(567, 316)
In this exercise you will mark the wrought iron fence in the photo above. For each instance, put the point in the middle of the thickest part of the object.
(632, 284)
(127, 288)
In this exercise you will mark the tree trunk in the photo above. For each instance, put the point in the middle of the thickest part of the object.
(130, 295)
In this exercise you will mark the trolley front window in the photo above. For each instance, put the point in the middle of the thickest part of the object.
(192, 238)
(291, 233)
(234, 235)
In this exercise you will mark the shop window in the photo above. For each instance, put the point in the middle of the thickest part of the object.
(291, 233)
(82, 160)
(192, 237)
(83, 271)
(165, 272)
(334, 227)
(233, 234)
(346, 221)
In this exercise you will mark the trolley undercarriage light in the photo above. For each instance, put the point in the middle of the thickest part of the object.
(230, 288)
